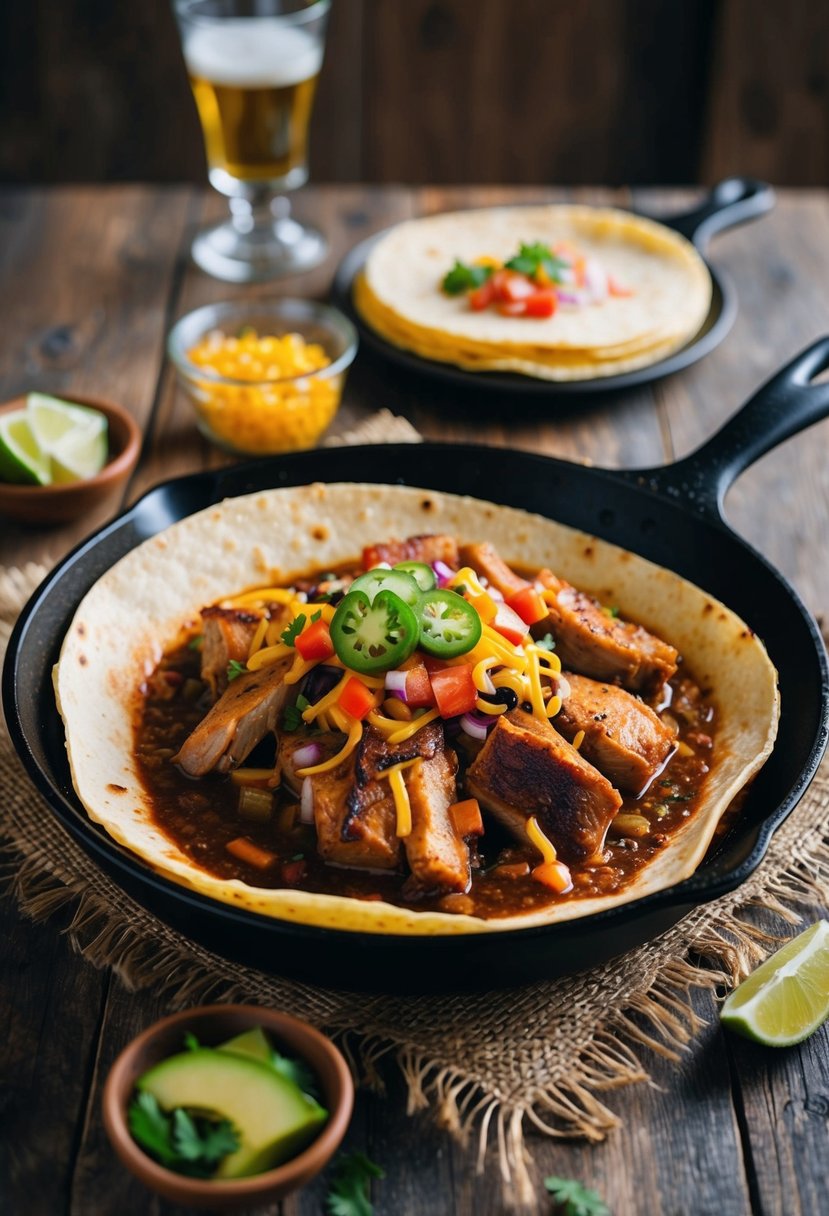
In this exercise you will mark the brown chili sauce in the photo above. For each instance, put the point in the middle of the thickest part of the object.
(202, 816)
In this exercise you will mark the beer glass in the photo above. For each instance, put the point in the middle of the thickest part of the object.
(253, 68)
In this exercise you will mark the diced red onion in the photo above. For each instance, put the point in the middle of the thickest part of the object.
(396, 684)
(302, 596)
(308, 754)
(474, 725)
(443, 573)
(574, 297)
(306, 803)
(563, 688)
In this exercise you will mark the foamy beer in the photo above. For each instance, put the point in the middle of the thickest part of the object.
(254, 83)
(253, 66)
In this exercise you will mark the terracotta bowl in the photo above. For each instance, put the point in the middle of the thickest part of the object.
(214, 1024)
(64, 503)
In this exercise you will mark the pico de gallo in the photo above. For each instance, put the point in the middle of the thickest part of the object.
(534, 282)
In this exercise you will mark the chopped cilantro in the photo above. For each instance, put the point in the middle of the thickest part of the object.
(611, 610)
(532, 258)
(234, 669)
(315, 616)
(290, 635)
(348, 1194)
(679, 797)
(465, 278)
(572, 1198)
(191, 1042)
(298, 857)
(296, 1071)
(196, 643)
(184, 1143)
(547, 642)
(292, 717)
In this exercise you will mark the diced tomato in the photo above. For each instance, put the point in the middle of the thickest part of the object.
(466, 817)
(419, 693)
(356, 699)
(509, 624)
(315, 641)
(454, 689)
(555, 875)
(514, 286)
(513, 308)
(529, 605)
(294, 871)
(541, 303)
(482, 296)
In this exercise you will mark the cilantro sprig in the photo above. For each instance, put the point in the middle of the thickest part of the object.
(295, 1070)
(185, 1143)
(292, 632)
(292, 717)
(348, 1193)
(463, 277)
(235, 669)
(572, 1198)
(537, 256)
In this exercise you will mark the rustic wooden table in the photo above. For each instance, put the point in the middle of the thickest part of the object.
(92, 280)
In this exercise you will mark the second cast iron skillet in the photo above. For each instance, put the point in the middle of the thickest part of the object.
(731, 202)
(671, 515)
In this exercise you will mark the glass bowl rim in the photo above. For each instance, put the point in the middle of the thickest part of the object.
(300, 16)
(283, 307)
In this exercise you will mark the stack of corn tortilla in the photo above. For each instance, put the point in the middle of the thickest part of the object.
(399, 292)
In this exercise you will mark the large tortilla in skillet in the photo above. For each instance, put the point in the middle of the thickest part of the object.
(399, 295)
(139, 606)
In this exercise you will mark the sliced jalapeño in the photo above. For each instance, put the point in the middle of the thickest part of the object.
(373, 634)
(449, 626)
(422, 574)
(381, 579)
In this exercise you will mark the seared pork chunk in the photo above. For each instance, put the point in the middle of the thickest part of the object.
(245, 712)
(526, 768)
(356, 825)
(415, 549)
(598, 645)
(437, 856)
(487, 561)
(375, 754)
(623, 737)
(227, 634)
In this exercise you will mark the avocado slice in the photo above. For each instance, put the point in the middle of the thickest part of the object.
(253, 1043)
(273, 1118)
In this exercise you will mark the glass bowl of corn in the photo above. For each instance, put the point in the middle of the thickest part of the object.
(265, 376)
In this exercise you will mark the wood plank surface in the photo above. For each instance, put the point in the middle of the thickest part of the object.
(730, 1129)
(532, 91)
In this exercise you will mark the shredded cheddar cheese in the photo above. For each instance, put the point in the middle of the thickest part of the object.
(537, 838)
(265, 595)
(258, 637)
(578, 740)
(402, 804)
(355, 734)
(268, 655)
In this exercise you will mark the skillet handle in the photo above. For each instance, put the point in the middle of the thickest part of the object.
(732, 201)
(783, 406)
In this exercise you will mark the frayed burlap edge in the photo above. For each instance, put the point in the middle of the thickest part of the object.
(552, 1085)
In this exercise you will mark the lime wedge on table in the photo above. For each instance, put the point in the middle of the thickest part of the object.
(21, 459)
(787, 997)
(51, 419)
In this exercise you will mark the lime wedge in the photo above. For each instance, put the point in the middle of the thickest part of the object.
(787, 997)
(21, 459)
(80, 453)
(51, 419)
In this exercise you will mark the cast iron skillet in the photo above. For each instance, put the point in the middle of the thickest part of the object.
(731, 202)
(670, 514)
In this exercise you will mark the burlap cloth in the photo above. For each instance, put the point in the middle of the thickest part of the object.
(536, 1059)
